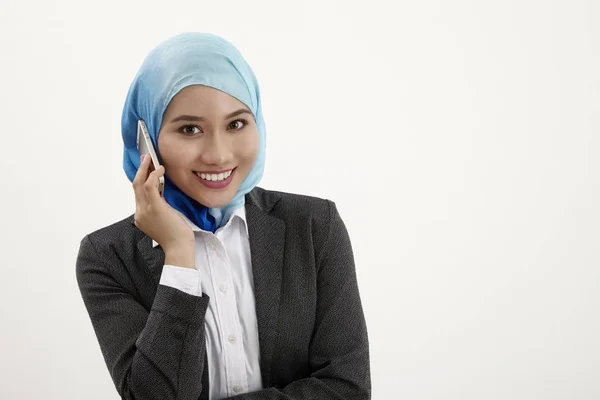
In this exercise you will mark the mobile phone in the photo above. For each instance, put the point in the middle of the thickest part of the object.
(145, 146)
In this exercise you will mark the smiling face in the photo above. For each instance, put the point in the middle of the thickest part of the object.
(208, 143)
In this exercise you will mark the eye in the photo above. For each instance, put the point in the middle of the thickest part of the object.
(189, 130)
(238, 124)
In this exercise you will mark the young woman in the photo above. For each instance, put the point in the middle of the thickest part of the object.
(219, 289)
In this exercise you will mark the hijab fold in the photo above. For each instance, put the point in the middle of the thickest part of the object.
(190, 59)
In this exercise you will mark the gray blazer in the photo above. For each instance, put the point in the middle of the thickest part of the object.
(312, 332)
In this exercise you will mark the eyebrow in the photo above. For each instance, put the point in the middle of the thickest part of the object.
(197, 118)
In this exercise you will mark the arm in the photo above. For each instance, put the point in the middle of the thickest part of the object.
(150, 354)
(339, 350)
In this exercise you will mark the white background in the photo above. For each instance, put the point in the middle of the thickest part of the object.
(459, 139)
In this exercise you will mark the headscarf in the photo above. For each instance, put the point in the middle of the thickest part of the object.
(190, 59)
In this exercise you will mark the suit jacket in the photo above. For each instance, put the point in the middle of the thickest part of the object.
(312, 332)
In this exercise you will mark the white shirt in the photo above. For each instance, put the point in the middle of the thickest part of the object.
(224, 272)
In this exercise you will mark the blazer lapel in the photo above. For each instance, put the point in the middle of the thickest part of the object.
(267, 240)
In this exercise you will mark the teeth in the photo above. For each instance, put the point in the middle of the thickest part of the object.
(215, 177)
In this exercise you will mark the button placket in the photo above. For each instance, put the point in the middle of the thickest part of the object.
(226, 305)
(235, 348)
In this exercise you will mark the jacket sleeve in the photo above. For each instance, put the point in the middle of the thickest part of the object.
(150, 354)
(339, 350)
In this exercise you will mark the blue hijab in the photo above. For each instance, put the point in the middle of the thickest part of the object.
(183, 60)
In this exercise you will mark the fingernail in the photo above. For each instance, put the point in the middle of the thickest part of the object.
(142, 158)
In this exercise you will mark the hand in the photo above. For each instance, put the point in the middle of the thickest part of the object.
(154, 216)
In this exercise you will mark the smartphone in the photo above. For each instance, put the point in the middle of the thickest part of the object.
(144, 145)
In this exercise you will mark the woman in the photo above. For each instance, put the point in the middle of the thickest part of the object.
(220, 289)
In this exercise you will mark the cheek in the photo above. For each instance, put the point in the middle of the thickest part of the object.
(173, 153)
(247, 147)
(164, 149)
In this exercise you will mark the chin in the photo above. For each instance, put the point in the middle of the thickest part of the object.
(214, 200)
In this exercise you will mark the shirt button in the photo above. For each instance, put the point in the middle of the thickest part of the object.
(237, 388)
(223, 288)
(231, 339)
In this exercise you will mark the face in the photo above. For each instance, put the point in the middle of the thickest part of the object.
(208, 143)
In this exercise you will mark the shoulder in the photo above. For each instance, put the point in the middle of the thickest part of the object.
(107, 249)
(305, 216)
(310, 218)
(285, 205)
(115, 235)
(293, 205)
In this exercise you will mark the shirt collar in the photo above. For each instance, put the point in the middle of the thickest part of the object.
(239, 213)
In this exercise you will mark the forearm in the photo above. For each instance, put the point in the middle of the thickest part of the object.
(309, 388)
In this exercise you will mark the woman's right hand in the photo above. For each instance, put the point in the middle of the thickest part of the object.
(155, 217)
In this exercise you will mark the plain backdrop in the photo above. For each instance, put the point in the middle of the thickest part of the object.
(459, 139)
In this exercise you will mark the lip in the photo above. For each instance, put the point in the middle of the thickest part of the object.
(217, 185)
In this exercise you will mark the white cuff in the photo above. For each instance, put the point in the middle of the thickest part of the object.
(184, 279)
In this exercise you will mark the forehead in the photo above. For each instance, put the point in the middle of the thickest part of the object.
(203, 99)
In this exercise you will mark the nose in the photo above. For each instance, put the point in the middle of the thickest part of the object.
(215, 150)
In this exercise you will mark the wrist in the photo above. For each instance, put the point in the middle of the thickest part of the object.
(179, 244)
(181, 255)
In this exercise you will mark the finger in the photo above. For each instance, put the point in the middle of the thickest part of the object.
(141, 176)
(151, 185)
(142, 173)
